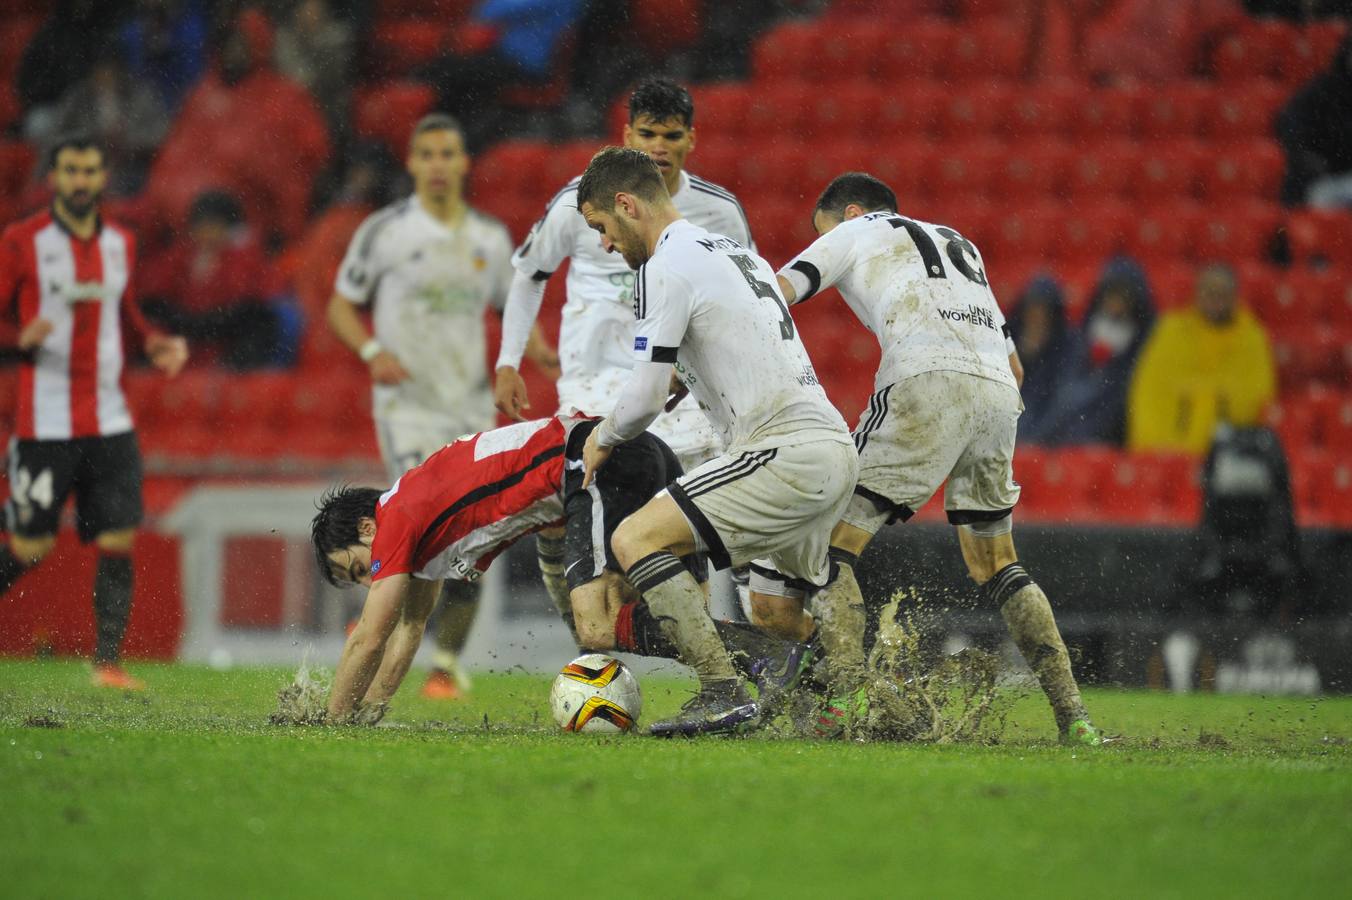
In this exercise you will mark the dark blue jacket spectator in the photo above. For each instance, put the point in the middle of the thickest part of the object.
(165, 43)
(530, 29)
(1091, 406)
(1049, 347)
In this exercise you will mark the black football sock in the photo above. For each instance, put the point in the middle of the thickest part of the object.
(10, 569)
(1028, 615)
(676, 601)
(112, 605)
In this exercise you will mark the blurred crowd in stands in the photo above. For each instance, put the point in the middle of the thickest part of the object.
(248, 140)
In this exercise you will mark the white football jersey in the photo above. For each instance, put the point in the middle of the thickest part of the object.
(711, 306)
(596, 335)
(920, 288)
(430, 284)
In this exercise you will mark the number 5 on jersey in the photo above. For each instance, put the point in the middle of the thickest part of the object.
(765, 291)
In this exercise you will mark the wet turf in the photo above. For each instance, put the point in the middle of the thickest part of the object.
(186, 791)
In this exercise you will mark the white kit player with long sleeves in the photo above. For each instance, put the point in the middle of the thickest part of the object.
(596, 335)
(946, 404)
(709, 306)
(430, 284)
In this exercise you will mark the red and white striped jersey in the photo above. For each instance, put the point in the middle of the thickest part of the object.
(71, 386)
(451, 516)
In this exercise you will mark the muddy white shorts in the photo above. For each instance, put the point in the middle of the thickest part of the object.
(776, 505)
(937, 427)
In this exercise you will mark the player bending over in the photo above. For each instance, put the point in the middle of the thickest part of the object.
(710, 317)
(448, 519)
(945, 409)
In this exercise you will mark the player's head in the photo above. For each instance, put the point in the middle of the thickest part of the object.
(1217, 293)
(77, 173)
(437, 159)
(662, 125)
(848, 196)
(342, 532)
(619, 193)
(213, 218)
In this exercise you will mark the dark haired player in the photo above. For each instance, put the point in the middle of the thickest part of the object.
(709, 314)
(428, 266)
(597, 333)
(945, 413)
(65, 279)
(448, 518)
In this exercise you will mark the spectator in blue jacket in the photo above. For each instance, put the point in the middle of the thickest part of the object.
(1050, 348)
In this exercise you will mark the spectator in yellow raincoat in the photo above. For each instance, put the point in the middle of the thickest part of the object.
(1202, 367)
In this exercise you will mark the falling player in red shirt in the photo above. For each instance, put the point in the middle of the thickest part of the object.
(450, 517)
(65, 278)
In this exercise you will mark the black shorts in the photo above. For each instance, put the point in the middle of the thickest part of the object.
(104, 473)
(636, 471)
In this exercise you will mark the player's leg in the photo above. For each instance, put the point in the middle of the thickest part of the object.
(40, 477)
(550, 556)
(980, 497)
(988, 549)
(108, 512)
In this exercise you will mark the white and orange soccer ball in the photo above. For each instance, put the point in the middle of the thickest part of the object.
(596, 693)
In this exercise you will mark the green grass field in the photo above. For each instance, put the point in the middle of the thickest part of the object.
(185, 791)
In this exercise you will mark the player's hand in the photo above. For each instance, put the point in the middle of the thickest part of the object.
(386, 368)
(594, 456)
(34, 333)
(677, 392)
(509, 393)
(167, 352)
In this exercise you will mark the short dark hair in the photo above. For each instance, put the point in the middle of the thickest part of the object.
(435, 121)
(660, 99)
(75, 142)
(215, 206)
(859, 188)
(341, 510)
(615, 169)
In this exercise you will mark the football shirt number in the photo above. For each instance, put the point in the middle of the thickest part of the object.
(765, 291)
(957, 246)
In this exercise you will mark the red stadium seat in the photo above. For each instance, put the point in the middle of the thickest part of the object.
(1020, 233)
(389, 112)
(1107, 169)
(257, 399)
(850, 52)
(1173, 283)
(1035, 171)
(845, 110)
(1043, 111)
(916, 51)
(912, 110)
(986, 49)
(771, 169)
(908, 166)
(1311, 52)
(1108, 112)
(1319, 237)
(975, 111)
(720, 109)
(783, 53)
(193, 398)
(1166, 231)
(1246, 113)
(1257, 285)
(1301, 299)
(717, 161)
(1250, 169)
(1323, 488)
(778, 108)
(1248, 53)
(967, 168)
(403, 45)
(566, 161)
(666, 25)
(1309, 355)
(1239, 231)
(512, 168)
(1175, 111)
(1169, 170)
(1093, 232)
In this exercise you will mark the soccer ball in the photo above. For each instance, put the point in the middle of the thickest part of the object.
(596, 693)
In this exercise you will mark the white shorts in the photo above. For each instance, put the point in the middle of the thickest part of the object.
(937, 427)
(405, 443)
(778, 505)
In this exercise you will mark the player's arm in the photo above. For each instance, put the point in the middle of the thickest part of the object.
(166, 352)
(33, 332)
(643, 398)
(1015, 364)
(404, 641)
(351, 330)
(366, 644)
(520, 331)
(820, 266)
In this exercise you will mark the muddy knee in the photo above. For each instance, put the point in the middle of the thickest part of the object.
(29, 550)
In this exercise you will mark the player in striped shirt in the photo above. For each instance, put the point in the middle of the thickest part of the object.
(65, 281)
(449, 518)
